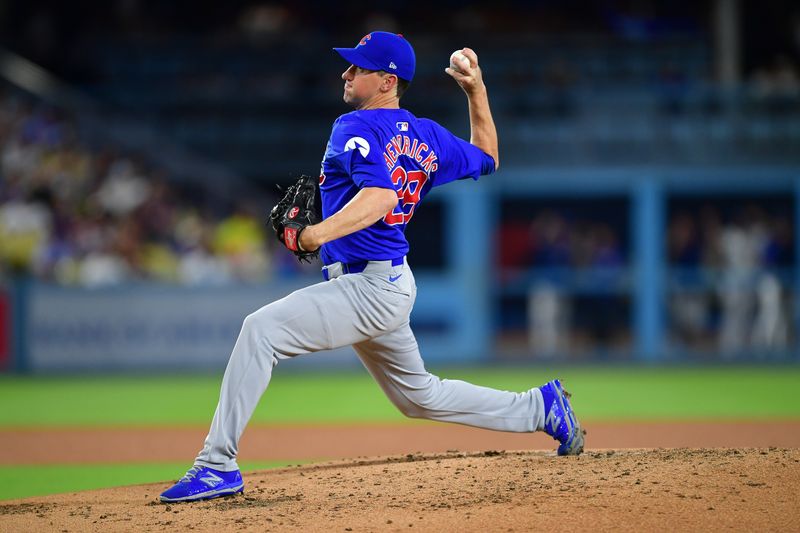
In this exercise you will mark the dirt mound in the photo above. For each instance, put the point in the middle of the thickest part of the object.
(697, 489)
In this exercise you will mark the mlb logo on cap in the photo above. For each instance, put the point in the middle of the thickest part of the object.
(381, 50)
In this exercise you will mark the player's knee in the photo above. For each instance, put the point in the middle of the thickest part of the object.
(259, 320)
(410, 408)
(255, 328)
(250, 324)
(419, 402)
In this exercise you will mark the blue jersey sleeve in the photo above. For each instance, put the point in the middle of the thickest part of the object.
(357, 151)
(458, 159)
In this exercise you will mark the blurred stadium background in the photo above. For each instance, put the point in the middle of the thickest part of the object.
(647, 208)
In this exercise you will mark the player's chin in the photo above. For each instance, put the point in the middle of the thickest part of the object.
(349, 99)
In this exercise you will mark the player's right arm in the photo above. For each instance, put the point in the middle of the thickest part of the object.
(483, 133)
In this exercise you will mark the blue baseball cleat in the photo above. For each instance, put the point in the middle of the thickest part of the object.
(559, 419)
(203, 483)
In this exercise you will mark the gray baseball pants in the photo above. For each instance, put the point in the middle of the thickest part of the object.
(371, 313)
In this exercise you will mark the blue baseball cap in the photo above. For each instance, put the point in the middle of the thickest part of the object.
(381, 50)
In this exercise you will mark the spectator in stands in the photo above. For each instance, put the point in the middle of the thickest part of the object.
(239, 239)
(689, 309)
(548, 305)
(25, 226)
(776, 87)
(744, 256)
(552, 240)
(94, 217)
(562, 248)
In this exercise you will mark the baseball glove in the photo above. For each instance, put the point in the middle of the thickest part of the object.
(296, 210)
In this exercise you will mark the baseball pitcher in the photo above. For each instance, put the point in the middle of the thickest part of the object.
(379, 164)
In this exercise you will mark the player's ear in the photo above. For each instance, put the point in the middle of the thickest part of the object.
(389, 83)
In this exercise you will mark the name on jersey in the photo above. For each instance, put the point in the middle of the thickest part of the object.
(413, 148)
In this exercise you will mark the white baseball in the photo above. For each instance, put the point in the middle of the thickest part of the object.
(459, 62)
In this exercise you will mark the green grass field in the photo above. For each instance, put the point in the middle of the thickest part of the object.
(21, 481)
(602, 393)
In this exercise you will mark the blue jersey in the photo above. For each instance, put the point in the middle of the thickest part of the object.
(390, 149)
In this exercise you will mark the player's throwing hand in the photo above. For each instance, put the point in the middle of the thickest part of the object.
(465, 70)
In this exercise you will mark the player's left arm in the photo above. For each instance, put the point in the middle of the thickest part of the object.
(367, 207)
(483, 133)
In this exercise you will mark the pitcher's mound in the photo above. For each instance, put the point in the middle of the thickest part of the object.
(664, 489)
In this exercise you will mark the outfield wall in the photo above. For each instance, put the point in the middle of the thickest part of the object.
(153, 327)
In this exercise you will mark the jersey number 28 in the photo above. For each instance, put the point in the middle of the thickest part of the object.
(409, 186)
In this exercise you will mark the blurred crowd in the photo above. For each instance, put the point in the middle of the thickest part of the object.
(730, 266)
(75, 214)
(554, 239)
(775, 85)
(731, 287)
(574, 299)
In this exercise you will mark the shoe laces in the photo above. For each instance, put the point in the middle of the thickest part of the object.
(191, 474)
